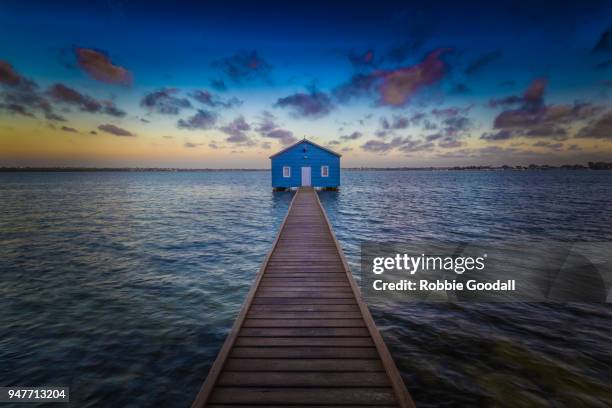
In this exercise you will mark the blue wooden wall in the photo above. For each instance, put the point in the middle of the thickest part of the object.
(296, 158)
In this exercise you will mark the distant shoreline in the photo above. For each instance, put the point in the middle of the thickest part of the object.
(589, 166)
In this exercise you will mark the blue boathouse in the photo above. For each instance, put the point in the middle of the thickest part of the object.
(305, 163)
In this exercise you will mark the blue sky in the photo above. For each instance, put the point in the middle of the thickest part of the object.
(194, 84)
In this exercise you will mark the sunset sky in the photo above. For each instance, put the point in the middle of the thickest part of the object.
(226, 84)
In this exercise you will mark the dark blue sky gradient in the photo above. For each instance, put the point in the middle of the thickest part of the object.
(492, 50)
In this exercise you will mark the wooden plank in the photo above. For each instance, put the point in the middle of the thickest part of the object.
(311, 278)
(302, 301)
(304, 261)
(337, 294)
(318, 274)
(299, 364)
(283, 283)
(305, 332)
(303, 323)
(297, 290)
(303, 379)
(343, 396)
(254, 314)
(304, 341)
(305, 308)
(304, 352)
(306, 271)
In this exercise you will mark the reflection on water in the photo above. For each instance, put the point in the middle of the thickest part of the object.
(124, 285)
(500, 354)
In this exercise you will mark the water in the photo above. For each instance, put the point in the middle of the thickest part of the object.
(122, 286)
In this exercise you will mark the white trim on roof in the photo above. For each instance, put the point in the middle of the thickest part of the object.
(305, 141)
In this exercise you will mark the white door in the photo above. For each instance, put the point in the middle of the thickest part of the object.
(306, 176)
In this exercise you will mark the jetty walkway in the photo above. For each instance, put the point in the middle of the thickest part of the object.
(304, 337)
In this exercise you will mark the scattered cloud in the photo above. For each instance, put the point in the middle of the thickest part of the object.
(547, 130)
(452, 129)
(449, 143)
(244, 67)
(496, 153)
(164, 101)
(456, 124)
(496, 136)
(69, 129)
(360, 85)
(115, 130)
(531, 117)
(604, 44)
(397, 122)
(450, 112)
(412, 146)
(482, 61)
(10, 77)
(16, 109)
(284, 136)
(191, 145)
(213, 145)
(218, 85)
(270, 129)
(400, 122)
(395, 87)
(399, 85)
(214, 101)
(313, 104)
(532, 98)
(236, 130)
(403, 144)
(598, 129)
(21, 95)
(352, 136)
(549, 145)
(361, 59)
(68, 96)
(201, 120)
(99, 66)
(378, 146)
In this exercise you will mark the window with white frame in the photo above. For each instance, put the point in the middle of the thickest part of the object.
(286, 171)
(324, 171)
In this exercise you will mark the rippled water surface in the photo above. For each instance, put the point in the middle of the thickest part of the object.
(124, 285)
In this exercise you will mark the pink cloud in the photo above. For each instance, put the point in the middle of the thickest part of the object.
(399, 85)
(535, 93)
(99, 67)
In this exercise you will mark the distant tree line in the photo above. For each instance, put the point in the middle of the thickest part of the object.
(600, 166)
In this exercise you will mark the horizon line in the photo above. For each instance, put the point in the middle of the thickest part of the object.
(205, 169)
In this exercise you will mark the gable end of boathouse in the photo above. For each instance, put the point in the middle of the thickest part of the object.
(305, 164)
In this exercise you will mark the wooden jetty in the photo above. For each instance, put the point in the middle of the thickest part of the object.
(304, 337)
